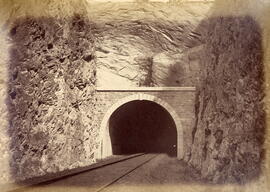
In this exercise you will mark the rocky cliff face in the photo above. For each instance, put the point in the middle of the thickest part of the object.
(230, 118)
(51, 89)
(148, 45)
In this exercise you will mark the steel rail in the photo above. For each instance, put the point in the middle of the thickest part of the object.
(125, 174)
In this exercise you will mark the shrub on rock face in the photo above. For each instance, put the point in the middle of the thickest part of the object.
(230, 118)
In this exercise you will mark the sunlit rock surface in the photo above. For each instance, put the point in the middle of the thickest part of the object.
(148, 45)
(51, 87)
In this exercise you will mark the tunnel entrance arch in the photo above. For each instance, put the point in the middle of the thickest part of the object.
(142, 127)
(105, 147)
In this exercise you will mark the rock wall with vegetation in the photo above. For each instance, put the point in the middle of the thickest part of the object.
(230, 126)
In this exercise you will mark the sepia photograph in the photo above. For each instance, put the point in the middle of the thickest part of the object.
(134, 95)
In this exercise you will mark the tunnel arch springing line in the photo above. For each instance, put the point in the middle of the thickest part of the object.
(105, 148)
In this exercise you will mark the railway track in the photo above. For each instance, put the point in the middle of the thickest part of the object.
(95, 180)
(148, 159)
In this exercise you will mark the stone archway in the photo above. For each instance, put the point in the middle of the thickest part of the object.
(105, 148)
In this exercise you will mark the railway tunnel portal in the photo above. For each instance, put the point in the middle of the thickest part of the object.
(145, 119)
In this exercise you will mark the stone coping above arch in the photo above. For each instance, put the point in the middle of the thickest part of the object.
(144, 89)
(105, 149)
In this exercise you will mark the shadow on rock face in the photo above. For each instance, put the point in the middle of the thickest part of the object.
(229, 131)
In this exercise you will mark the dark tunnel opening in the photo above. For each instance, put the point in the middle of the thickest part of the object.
(142, 127)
